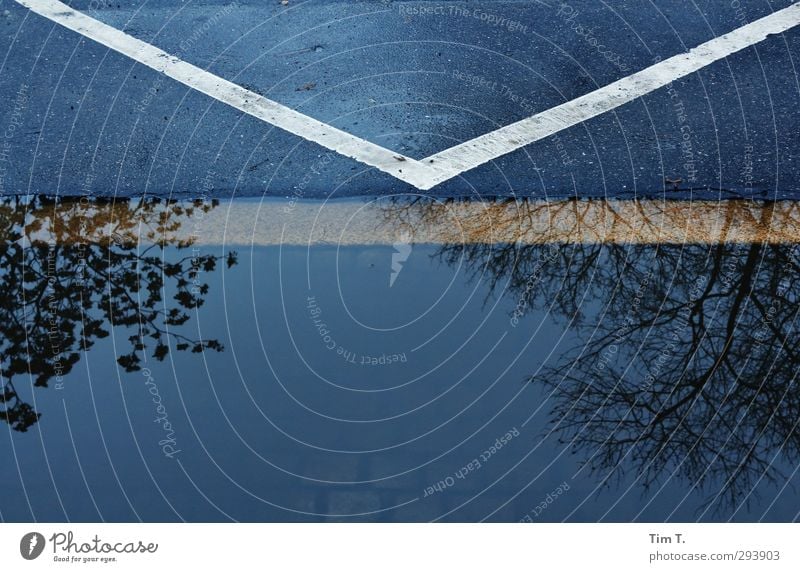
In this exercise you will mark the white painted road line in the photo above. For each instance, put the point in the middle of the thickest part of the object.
(482, 149)
(272, 112)
(426, 173)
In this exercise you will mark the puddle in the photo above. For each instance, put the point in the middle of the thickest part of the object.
(399, 360)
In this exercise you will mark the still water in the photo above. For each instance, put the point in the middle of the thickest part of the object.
(401, 360)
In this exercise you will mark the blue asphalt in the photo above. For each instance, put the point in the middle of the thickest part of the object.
(416, 77)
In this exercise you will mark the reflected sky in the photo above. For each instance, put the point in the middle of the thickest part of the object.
(154, 369)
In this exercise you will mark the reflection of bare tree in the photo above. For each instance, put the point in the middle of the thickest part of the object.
(687, 359)
(71, 269)
(690, 368)
(507, 220)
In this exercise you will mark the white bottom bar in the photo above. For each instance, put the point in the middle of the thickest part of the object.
(398, 547)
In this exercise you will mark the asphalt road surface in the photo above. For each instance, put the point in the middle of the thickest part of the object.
(413, 77)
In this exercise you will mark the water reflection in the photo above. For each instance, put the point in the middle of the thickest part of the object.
(690, 368)
(658, 364)
(685, 368)
(71, 270)
(512, 221)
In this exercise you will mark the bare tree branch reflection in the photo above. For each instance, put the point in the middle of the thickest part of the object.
(687, 358)
(691, 368)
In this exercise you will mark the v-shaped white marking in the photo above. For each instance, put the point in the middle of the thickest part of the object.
(426, 173)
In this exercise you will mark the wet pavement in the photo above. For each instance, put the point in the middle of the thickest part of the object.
(414, 77)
